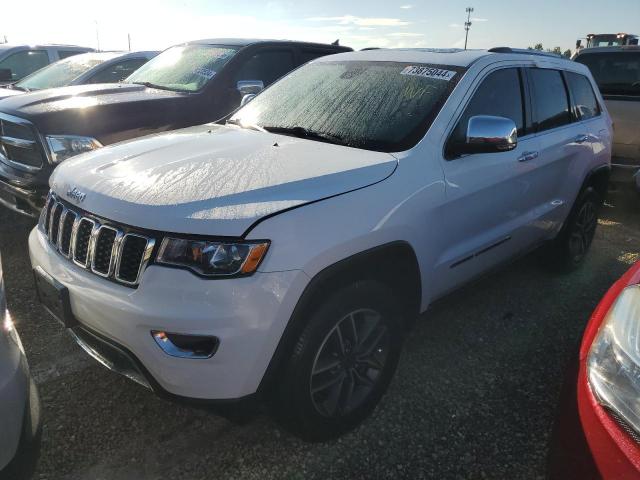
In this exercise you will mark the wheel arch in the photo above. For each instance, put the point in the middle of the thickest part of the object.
(598, 179)
(395, 264)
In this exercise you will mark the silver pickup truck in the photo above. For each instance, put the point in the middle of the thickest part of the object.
(617, 73)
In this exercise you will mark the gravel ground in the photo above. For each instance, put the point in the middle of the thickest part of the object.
(474, 395)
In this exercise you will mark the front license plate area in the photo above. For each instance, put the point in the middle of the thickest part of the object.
(54, 297)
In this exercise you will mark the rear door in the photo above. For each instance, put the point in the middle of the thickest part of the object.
(565, 147)
(489, 198)
(589, 113)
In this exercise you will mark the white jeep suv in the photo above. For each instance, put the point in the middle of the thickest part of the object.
(286, 252)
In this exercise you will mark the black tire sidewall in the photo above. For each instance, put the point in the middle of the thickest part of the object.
(296, 406)
(564, 255)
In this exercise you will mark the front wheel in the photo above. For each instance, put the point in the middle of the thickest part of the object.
(342, 363)
(571, 246)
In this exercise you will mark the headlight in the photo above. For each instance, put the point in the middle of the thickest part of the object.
(614, 359)
(62, 147)
(212, 258)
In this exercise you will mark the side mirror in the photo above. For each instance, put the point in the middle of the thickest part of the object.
(247, 98)
(250, 87)
(488, 134)
(6, 75)
(578, 44)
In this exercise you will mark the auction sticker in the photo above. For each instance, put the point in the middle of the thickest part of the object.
(428, 72)
(205, 72)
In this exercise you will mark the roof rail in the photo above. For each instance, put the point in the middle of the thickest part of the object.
(524, 51)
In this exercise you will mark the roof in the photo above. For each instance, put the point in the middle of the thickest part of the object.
(7, 46)
(449, 56)
(105, 56)
(243, 42)
(616, 48)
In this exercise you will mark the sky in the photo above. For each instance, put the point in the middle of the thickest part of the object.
(361, 23)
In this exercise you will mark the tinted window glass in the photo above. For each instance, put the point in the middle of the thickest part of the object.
(551, 106)
(22, 64)
(616, 73)
(68, 53)
(499, 95)
(383, 106)
(267, 66)
(308, 55)
(586, 104)
(118, 71)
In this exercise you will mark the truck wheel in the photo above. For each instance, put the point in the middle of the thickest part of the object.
(572, 244)
(342, 362)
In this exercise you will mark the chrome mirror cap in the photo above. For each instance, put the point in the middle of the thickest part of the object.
(487, 134)
(247, 98)
(248, 87)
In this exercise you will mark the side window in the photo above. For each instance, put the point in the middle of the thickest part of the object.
(585, 103)
(68, 53)
(268, 66)
(22, 64)
(550, 102)
(499, 95)
(118, 71)
(306, 55)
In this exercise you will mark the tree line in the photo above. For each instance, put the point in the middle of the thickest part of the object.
(557, 50)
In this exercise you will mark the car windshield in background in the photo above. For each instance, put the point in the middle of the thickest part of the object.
(383, 106)
(184, 68)
(616, 73)
(61, 73)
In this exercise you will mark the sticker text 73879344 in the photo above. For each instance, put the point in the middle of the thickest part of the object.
(428, 72)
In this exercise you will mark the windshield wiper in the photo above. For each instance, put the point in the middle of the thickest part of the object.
(302, 132)
(15, 86)
(153, 85)
(250, 126)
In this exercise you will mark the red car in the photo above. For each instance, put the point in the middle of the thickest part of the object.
(603, 440)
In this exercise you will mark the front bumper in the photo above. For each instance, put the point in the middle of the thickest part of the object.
(614, 451)
(26, 201)
(19, 402)
(248, 315)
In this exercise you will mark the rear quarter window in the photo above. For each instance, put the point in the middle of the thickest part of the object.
(585, 102)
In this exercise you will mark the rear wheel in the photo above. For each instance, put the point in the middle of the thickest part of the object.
(571, 246)
(342, 362)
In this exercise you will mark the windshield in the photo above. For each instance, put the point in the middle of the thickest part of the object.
(383, 106)
(184, 68)
(61, 73)
(616, 73)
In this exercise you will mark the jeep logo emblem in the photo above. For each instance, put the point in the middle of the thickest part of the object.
(75, 194)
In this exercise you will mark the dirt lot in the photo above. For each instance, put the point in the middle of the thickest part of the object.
(474, 396)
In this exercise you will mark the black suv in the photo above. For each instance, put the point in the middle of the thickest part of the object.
(188, 84)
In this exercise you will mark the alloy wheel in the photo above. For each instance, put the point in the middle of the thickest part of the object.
(583, 231)
(349, 363)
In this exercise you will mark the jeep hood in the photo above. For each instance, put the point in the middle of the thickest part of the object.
(212, 179)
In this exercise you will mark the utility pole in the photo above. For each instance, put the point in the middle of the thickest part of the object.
(129, 39)
(467, 26)
(97, 34)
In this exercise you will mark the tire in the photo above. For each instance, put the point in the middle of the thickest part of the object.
(570, 247)
(342, 362)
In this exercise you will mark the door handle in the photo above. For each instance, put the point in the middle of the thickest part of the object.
(527, 156)
(581, 138)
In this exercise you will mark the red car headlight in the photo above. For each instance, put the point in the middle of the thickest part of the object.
(613, 362)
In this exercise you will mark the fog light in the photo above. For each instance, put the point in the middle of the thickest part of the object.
(186, 346)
